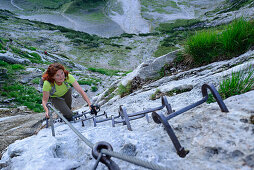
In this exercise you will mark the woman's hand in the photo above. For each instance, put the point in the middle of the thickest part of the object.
(47, 114)
(44, 103)
(82, 93)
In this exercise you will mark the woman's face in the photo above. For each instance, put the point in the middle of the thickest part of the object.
(59, 76)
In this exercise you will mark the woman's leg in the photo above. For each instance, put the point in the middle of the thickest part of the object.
(63, 104)
(68, 98)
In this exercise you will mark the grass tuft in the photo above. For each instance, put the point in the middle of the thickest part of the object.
(124, 90)
(209, 46)
(240, 82)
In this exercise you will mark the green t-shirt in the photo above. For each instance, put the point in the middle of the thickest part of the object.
(60, 90)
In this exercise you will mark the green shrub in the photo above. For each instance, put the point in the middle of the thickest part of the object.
(127, 35)
(94, 88)
(107, 72)
(36, 59)
(169, 27)
(111, 89)
(124, 90)
(24, 95)
(17, 67)
(31, 48)
(1, 46)
(109, 94)
(89, 81)
(240, 82)
(48, 4)
(16, 50)
(36, 80)
(85, 82)
(3, 63)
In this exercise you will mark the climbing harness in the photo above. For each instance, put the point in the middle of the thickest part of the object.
(158, 118)
(53, 89)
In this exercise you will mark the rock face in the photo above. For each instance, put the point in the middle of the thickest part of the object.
(13, 59)
(147, 70)
(216, 140)
(18, 124)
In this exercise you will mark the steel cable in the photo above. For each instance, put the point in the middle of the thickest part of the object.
(135, 160)
(90, 144)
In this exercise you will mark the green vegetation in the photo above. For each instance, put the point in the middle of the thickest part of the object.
(107, 72)
(50, 4)
(17, 67)
(83, 5)
(2, 43)
(111, 89)
(169, 27)
(172, 92)
(89, 81)
(124, 90)
(86, 82)
(157, 6)
(109, 94)
(36, 80)
(11, 68)
(1, 46)
(177, 91)
(3, 63)
(154, 96)
(94, 88)
(127, 35)
(162, 50)
(24, 95)
(209, 46)
(177, 63)
(168, 44)
(30, 48)
(33, 57)
(235, 5)
(80, 38)
(36, 58)
(240, 82)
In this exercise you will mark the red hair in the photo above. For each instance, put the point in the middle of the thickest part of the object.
(51, 71)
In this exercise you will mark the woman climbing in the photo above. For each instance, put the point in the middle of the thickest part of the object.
(56, 88)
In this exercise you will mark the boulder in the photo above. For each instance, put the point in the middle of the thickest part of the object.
(18, 124)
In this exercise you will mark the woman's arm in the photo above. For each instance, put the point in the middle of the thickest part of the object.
(81, 92)
(45, 99)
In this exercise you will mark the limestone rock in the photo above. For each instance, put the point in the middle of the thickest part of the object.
(13, 59)
(18, 126)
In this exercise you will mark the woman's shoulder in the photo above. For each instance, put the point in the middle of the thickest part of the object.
(70, 79)
(46, 83)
